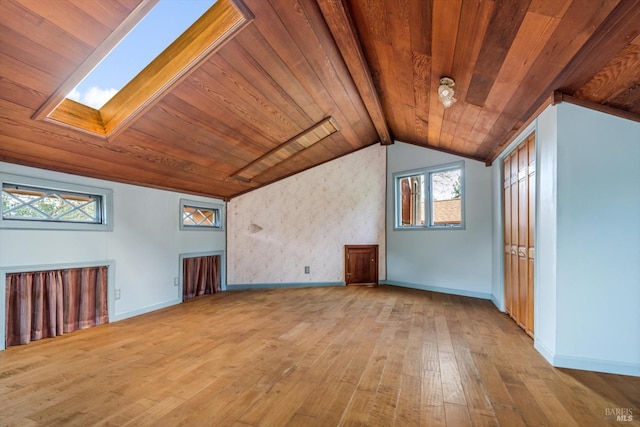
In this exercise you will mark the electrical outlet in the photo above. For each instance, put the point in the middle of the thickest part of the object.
(307, 269)
(176, 281)
(117, 293)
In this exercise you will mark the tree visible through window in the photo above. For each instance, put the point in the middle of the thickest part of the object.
(446, 204)
(430, 198)
(41, 204)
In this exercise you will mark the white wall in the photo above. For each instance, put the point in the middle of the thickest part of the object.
(587, 281)
(305, 220)
(598, 235)
(497, 232)
(145, 243)
(545, 302)
(452, 261)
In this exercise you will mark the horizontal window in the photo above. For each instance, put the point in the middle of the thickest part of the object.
(35, 203)
(202, 216)
(41, 204)
(430, 198)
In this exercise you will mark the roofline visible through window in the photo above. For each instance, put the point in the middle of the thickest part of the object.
(216, 26)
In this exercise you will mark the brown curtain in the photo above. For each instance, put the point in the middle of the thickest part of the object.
(200, 276)
(45, 304)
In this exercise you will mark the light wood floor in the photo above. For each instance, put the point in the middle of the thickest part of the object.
(303, 357)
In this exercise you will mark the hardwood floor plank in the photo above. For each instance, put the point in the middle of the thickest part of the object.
(528, 408)
(457, 415)
(474, 391)
(386, 398)
(452, 391)
(492, 382)
(507, 416)
(549, 403)
(156, 413)
(332, 412)
(408, 407)
(314, 357)
(357, 413)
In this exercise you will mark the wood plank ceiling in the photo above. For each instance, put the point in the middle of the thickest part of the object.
(372, 67)
(506, 56)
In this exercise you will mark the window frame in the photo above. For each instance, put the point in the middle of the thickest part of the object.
(427, 173)
(104, 194)
(220, 207)
(217, 25)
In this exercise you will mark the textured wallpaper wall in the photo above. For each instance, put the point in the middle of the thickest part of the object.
(305, 220)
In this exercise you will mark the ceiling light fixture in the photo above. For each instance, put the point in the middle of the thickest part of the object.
(445, 92)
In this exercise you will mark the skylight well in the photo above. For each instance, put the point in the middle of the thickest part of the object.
(170, 40)
(153, 34)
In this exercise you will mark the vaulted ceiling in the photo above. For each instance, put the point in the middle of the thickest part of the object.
(301, 82)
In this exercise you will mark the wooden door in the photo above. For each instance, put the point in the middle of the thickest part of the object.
(519, 205)
(513, 259)
(361, 264)
(531, 230)
(508, 295)
(523, 235)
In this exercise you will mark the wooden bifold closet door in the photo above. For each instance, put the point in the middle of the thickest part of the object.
(519, 206)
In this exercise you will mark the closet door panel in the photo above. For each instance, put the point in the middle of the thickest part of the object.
(508, 285)
(519, 219)
(531, 233)
(514, 237)
(523, 233)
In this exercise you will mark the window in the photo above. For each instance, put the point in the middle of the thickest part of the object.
(108, 101)
(430, 198)
(34, 203)
(201, 216)
(154, 33)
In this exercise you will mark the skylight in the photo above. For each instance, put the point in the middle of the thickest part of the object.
(153, 34)
(208, 25)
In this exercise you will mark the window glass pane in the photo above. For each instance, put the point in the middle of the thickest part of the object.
(446, 202)
(41, 204)
(155, 32)
(411, 209)
(200, 217)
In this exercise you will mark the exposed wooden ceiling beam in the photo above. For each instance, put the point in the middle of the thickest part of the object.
(341, 26)
(563, 97)
(613, 34)
(374, 66)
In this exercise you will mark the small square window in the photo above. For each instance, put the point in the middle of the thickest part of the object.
(201, 216)
(430, 198)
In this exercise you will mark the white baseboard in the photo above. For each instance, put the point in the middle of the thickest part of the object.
(597, 365)
(497, 304)
(143, 310)
(441, 290)
(544, 351)
(243, 286)
(587, 364)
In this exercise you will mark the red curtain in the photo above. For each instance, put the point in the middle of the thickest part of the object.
(45, 304)
(200, 276)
